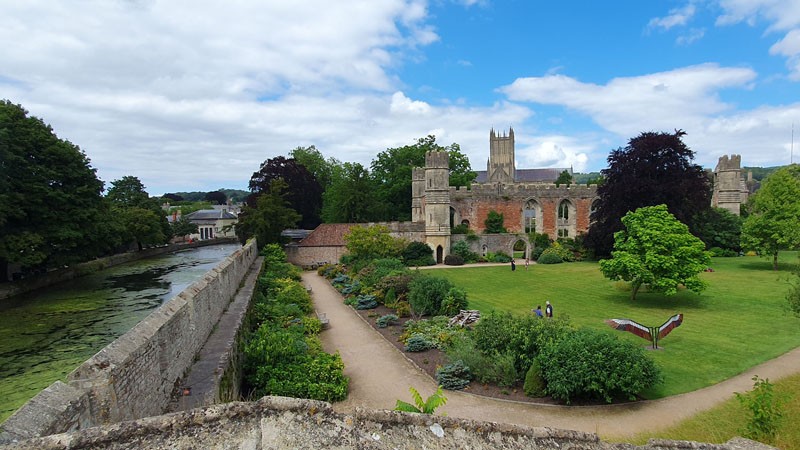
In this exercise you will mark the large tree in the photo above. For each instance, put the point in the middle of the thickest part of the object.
(216, 198)
(304, 193)
(392, 170)
(656, 250)
(653, 169)
(773, 221)
(142, 219)
(312, 159)
(271, 215)
(350, 197)
(50, 196)
(718, 227)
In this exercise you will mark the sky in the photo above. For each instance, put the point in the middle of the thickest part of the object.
(195, 95)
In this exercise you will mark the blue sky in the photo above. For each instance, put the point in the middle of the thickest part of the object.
(194, 95)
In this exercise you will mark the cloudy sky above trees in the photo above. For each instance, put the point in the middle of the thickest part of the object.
(194, 95)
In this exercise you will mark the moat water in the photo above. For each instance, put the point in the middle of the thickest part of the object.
(45, 335)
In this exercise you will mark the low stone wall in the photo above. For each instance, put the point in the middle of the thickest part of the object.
(78, 270)
(279, 422)
(135, 375)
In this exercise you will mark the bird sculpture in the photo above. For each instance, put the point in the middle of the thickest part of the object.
(653, 334)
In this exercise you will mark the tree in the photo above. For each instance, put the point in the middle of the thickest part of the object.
(303, 193)
(372, 242)
(494, 223)
(350, 198)
(774, 214)
(216, 198)
(564, 178)
(653, 169)
(269, 217)
(50, 197)
(718, 227)
(172, 197)
(183, 227)
(657, 250)
(142, 218)
(392, 171)
(312, 159)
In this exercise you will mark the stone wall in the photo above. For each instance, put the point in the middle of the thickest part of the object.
(135, 375)
(279, 422)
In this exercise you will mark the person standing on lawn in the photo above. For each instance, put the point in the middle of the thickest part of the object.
(548, 310)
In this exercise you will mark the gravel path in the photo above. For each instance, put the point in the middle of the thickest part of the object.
(380, 375)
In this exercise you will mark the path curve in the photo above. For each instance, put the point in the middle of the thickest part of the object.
(380, 375)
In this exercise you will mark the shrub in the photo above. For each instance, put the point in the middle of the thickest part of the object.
(418, 343)
(378, 269)
(403, 309)
(418, 254)
(366, 301)
(399, 283)
(461, 228)
(498, 257)
(454, 260)
(592, 365)
(485, 368)
(454, 302)
(461, 248)
(426, 294)
(550, 256)
(390, 298)
(722, 252)
(385, 321)
(455, 376)
(353, 288)
(534, 383)
(766, 410)
(436, 330)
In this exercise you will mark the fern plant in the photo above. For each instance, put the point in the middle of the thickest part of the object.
(422, 407)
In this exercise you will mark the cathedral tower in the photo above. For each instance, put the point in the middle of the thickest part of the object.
(501, 166)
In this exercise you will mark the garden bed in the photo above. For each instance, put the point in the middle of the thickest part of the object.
(430, 360)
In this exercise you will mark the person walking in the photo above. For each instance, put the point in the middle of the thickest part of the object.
(538, 311)
(548, 309)
(527, 261)
(513, 265)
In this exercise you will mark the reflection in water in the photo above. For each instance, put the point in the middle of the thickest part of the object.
(45, 335)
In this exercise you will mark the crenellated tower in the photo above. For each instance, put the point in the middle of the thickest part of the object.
(417, 194)
(437, 203)
(730, 189)
(501, 167)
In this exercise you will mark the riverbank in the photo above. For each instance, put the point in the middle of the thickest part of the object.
(13, 288)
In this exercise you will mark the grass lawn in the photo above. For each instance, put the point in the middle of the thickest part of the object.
(728, 419)
(737, 323)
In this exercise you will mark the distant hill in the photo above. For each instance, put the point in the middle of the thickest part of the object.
(236, 195)
(759, 173)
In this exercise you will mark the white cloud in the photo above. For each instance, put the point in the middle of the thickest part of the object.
(554, 151)
(676, 17)
(693, 35)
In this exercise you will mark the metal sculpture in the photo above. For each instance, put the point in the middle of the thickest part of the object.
(653, 334)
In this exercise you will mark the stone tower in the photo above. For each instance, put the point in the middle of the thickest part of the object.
(500, 167)
(437, 203)
(730, 189)
(417, 194)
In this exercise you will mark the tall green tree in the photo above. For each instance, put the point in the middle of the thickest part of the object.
(313, 160)
(372, 242)
(564, 178)
(269, 217)
(653, 169)
(718, 227)
(50, 196)
(350, 197)
(304, 193)
(495, 223)
(656, 249)
(773, 223)
(142, 219)
(392, 168)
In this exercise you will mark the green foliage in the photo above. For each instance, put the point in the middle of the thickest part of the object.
(423, 407)
(498, 257)
(271, 215)
(534, 385)
(494, 223)
(461, 228)
(403, 309)
(350, 197)
(656, 250)
(495, 368)
(366, 301)
(418, 343)
(183, 227)
(774, 212)
(454, 260)
(564, 178)
(378, 269)
(722, 252)
(418, 254)
(399, 284)
(765, 408)
(386, 320)
(718, 228)
(436, 330)
(461, 248)
(592, 365)
(426, 294)
(372, 242)
(303, 192)
(390, 298)
(793, 296)
(454, 377)
(550, 256)
(454, 302)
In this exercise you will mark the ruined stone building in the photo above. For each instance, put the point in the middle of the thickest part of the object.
(731, 190)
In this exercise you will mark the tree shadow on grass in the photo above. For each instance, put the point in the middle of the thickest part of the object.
(684, 300)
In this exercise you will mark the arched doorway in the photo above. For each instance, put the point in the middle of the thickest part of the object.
(520, 249)
(439, 252)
